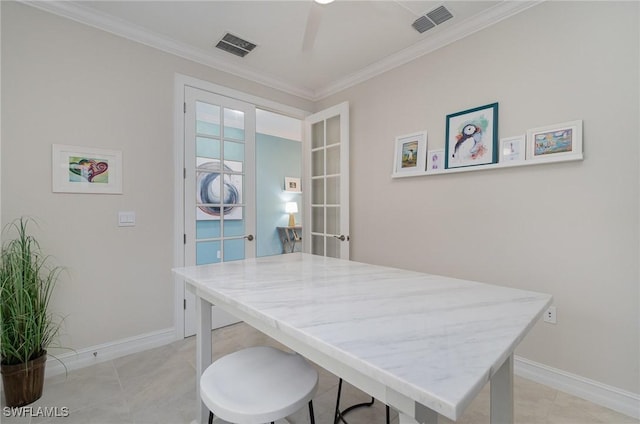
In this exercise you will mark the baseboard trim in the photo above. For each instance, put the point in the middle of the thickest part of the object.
(69, 361)
(619, 400)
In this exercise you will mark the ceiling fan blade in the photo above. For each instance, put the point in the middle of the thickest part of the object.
(313, 24)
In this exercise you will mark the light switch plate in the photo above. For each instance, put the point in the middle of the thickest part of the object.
(126, 219)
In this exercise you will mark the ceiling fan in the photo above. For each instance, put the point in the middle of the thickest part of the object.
(313, 23)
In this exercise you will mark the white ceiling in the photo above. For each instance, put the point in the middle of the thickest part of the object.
(354, 41)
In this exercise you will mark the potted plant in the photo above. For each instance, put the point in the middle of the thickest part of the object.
(27, 327)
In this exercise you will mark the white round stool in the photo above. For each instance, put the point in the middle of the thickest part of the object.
(258, 385)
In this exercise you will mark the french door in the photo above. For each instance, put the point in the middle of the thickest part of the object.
(327, 179)
(219, 186)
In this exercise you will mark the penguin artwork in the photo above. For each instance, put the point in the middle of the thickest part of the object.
(469, 131)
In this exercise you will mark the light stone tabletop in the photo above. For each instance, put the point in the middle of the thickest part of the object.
(423, 344)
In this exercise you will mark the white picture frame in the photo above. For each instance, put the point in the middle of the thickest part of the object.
(553, 143)
(513, 149)
(292, 185)
(410, 153)
(78, 169)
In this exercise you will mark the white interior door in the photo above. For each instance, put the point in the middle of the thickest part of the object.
(327, 182)
(219, 186)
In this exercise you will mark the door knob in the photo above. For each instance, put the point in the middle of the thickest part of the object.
(341, 237)
(249, 237)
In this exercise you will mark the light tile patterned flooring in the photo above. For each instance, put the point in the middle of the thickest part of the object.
(158, 386)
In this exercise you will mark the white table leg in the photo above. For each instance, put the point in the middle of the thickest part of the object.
(430, 418)
(405, 419)
(203, 350)
(502, 394)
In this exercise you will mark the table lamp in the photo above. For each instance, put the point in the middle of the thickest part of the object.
(291, 208)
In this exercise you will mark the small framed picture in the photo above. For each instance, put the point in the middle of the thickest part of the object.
(555, 142)
(86, 170)
(512, 149)
(472, 137)
(410, 153)
(292, 184)
(435, 160)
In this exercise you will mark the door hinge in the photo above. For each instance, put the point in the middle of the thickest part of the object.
(184, 107)
(185, 304)
(184, 173)
(185, 239)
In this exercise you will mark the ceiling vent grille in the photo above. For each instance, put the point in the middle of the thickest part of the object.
(439, 15)
(431, 19)
(235, 45)
(422, 24)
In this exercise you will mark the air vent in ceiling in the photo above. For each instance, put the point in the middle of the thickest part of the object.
(431, 19)
(439, 15)
(235, 45)
(422, 24)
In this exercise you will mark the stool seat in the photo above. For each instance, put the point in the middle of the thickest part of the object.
(257, 385)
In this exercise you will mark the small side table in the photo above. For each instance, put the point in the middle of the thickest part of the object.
(289, 236)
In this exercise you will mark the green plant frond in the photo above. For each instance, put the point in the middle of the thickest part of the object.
(26, 286)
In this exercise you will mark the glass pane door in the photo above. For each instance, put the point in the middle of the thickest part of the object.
(220, 170)
(328, 173)
(219, 182)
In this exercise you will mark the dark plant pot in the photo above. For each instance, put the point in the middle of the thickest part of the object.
(23, 383)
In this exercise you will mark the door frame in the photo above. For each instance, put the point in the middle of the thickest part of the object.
(247, 200)
(180, 82)
(342, 110)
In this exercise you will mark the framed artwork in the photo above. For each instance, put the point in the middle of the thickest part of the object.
(292, 185)
(410, 153)
(219, 189)
(512, 149)
(472, 137)
(78, 169)
(554, 142)
(435, 160)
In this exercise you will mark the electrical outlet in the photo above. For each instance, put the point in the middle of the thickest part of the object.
(550, 315)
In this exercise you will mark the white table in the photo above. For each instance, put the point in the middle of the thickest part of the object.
(423, 344)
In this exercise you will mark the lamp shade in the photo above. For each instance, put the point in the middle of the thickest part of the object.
(291, 207)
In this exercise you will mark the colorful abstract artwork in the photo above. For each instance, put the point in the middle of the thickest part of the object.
(77, 169)
(92, 170)
(218, 189)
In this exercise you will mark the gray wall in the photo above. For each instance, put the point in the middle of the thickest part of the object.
(68, 83)
(570, 229)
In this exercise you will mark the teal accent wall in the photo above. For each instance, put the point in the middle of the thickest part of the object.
(276, 158)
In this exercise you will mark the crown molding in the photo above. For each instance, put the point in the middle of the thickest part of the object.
(149, 38)
(116, 26)
(452, 34)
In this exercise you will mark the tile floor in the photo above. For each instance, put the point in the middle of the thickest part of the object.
(158, 386)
